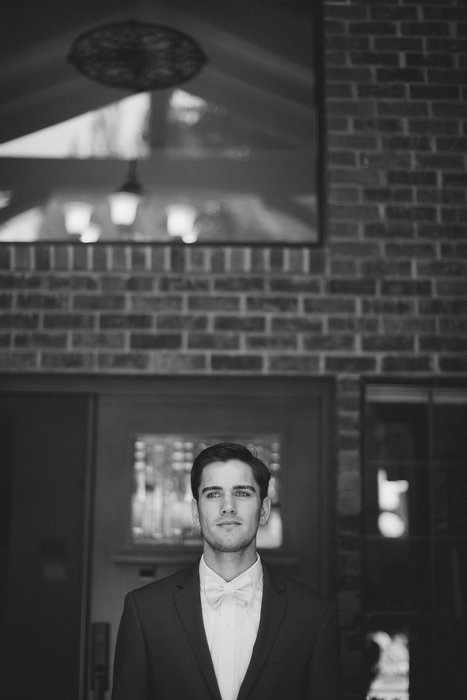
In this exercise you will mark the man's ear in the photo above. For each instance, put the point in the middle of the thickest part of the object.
(265, 511)
(194, 512)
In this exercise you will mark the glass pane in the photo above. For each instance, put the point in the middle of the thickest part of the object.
(115, 131)
(196, 128)
(396, 432)
(450, 501)
(450, 578)
(397, 658)
(450, 432)
(397, 500)
(397, 575)
(449, 658)
(161, 501)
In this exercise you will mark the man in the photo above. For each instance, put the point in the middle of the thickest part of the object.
(230, 627)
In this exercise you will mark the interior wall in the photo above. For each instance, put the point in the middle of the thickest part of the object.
(386, 295)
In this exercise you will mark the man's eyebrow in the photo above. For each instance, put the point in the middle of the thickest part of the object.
(246, 487)
(212, 488)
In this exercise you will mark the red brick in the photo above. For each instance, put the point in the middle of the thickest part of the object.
(179, 283)
(351, 287)
(18, 360)
(453, 363)
(239, 323)
(43, 257)
(99, 257)
(271, 342)
(98, 340)
(95, 302)
(69, 321)
(406, 364)
(178, 257)
(156, 302)
(40, 340)
(294, 364)
(127, 321)
(6, 258)
(294, 324)
(42, 301)
(127, 362)
(329, 342)
(294, 285)
(155, 341)
(67, 361)
(329, 306)
(175, 322)
(211, 303)
(246, 283)
(350, 365)
(211, 341)
(404, 288)
(178, 363)
(237, 363)
(285, 304)
(388, 343)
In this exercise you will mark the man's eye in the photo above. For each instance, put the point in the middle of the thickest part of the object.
(242, 493)
(213, 494)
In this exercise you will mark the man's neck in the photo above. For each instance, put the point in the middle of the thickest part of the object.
(229, 565)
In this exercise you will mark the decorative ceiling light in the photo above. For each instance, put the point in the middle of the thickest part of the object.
(137, 56)
(125, 200)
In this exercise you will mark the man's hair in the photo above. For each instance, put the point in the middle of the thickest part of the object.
(223, 452)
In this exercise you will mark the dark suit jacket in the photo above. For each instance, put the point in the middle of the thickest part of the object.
(162, 652)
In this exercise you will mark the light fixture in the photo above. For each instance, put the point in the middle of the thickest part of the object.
(91, 234)
(125, 200)
(181, 222)
(77, 217)
(136, 55)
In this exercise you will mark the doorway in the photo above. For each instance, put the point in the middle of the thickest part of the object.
(125, 416)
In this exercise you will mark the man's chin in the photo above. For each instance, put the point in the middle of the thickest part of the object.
(227, 545)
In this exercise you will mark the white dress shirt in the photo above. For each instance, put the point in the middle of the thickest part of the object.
(231, 623)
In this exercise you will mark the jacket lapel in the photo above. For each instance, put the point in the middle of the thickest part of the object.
(188, 604)
(273, 608)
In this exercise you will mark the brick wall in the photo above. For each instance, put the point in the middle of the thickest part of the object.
(386, 296)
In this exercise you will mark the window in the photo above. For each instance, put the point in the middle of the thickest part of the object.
(161, 502)
(415, 581)
(237, 147)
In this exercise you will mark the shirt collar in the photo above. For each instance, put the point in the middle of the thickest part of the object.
(255, 572)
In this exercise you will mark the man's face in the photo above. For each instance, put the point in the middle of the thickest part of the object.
(229, 509)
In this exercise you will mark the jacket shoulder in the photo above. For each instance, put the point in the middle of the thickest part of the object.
(297, 590)
(164, 586)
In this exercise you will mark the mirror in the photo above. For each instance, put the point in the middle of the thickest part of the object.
(228, 156)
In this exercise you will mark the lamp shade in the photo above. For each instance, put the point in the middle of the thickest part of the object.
(77, 216)
(123, 207)
(181, 222)
(125, 200)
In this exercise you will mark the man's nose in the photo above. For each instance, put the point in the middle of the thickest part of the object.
(228, 505)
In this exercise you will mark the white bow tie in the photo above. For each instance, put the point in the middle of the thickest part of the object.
(215, 590)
